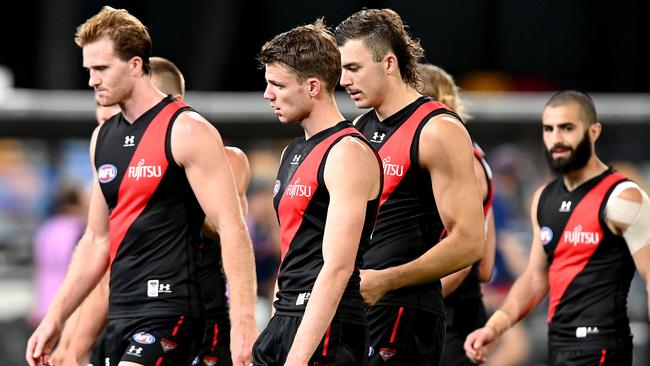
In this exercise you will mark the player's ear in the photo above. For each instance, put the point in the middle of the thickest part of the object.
(315, 86)
(595, 130)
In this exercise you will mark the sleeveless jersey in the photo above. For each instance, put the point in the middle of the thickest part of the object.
(301, 200)
(470, 288)
(408, 223)
(589, 267)
(154, 217)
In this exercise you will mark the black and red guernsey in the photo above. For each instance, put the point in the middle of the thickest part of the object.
(589, 267)
(155, 219)
(408, 223)
(470, 288)
(301, 201)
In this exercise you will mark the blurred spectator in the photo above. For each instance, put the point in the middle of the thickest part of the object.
(53, 246)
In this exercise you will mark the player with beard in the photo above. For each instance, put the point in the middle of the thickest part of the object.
(591, 226)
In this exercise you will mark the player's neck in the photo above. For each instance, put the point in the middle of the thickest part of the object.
(323, 116)
(575, 178)
(398, 96)
(142, 98)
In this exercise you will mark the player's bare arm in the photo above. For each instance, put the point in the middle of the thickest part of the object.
(352, 177)
(198, 148)
(88, 264)
(445, 151)
(524, 296)
(451, 282)
(628, 215)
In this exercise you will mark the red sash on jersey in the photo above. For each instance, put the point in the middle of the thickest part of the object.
(396, 152)
(570, 259)
(291, 209)
(133, 195)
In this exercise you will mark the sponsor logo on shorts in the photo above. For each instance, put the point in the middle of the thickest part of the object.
(371, 351)
(546, 235)
(167, 345)
(196, 361)
(582, 332)
(386, 353)
(106, 173)
(144, 338)
(135, 351)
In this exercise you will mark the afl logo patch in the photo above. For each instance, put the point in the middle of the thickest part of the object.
(144, 338)
(106, 173)
(546, 235)
(276, 187)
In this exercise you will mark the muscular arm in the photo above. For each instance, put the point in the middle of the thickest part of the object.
(197, 147)
(524, 296)
(445, 152)
(451, 282)
(352, 178)
(88, 263)
(242, 174)
(631, 219)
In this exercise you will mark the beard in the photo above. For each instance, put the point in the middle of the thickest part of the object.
(577, 160)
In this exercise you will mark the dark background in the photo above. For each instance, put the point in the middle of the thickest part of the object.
(515, 45)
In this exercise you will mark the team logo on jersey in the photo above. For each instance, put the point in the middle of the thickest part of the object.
(577, 236)
(167, 345)
(106, 173)
(296, 159)
(298, 190)
(144, 171)
(387, 353)
(392, 169)
(546, 235)
(129, 141)
(276, 187)
(565, 207)
(144, 338)
(378, 137)
(210, 360)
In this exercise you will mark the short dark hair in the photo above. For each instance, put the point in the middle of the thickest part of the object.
(170, 79)
(130, 37)
(583, 100)
(383, 31)
(308, 50)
